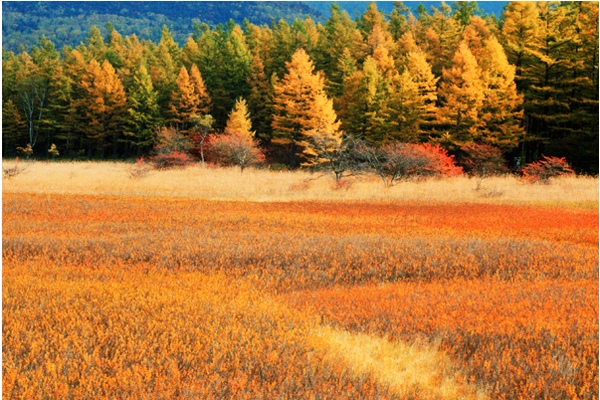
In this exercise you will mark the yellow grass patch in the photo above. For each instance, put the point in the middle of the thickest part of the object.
(417, 370)
(112, 178)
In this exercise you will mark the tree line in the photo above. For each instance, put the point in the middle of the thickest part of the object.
(526, 84)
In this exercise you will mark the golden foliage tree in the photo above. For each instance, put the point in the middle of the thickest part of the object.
(425, 107)
(364, 105)
(501, 112)
(461, 93)
(190, 98)
(520, 33)
(300, 107)
(325, 137)
(103, 104)
(239, 122)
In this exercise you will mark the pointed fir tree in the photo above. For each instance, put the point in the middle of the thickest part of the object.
(189, 100)
(239, 122)
(297, 105)
(371, 18)
(13, 129)
(404, 108)
(95, 47)
(501, 113)
(520, 37)
(167, 41)
(425, 108)
(475, 33)
(143, 111)
(260, 101)
(164, 73)
(190, 53)
(229, 79)
(398, 20)
(461, 95)
(103, 105)
(324, 139)
(364, 107)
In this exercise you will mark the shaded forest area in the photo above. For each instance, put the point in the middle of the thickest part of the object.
(68, 22)
(526, 83)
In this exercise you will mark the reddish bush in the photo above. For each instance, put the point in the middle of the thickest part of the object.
(172, 149)
(139, 170)
(407, 160)
(232, 149)
(172, 160)
(541, 171)
(483, 160)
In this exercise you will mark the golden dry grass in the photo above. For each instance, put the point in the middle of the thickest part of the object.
(411, 371)
(111, 178)
(79, 234)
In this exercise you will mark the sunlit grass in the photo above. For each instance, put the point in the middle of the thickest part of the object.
(111, 178)
(416, 370)
(137, 288)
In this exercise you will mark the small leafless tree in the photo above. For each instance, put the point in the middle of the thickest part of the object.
(399, 161)
(202, 129)
(231, 149)
(338, 158)
(482, 161)
(14, 170)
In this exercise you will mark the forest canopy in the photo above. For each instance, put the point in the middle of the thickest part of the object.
(525, 83)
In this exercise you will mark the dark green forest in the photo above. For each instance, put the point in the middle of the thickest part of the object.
(68, 22)
(525, 82)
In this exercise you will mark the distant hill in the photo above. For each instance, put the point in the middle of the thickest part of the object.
(354, 8)
(68, 22)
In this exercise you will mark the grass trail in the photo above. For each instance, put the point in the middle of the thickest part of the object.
(410, 371)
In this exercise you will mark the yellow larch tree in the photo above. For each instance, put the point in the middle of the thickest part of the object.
(461, 95)
(364, 105)
(520, 36)
(103, 104)
(239, 122)
(425, 106)
(475, 34)
(405, 44)
(300, 108)
(501, 111)
(382, 46)
(190, 99)
(324, 139)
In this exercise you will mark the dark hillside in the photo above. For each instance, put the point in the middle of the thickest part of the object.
(68, 22)
(354, 7)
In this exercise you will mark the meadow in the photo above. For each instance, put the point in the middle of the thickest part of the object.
(207, 283)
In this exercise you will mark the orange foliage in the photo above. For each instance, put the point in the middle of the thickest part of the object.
(523, 338)
(147, 297)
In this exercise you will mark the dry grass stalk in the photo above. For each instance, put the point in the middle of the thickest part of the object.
(202, 182)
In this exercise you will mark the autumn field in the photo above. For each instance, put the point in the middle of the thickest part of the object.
(211, 284)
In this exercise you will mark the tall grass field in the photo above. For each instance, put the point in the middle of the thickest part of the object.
(208, 283)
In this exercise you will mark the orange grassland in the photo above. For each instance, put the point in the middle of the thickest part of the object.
(149, 297)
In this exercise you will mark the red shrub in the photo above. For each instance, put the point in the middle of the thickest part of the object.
(407, 160)
(172, 160)
(483, 160)
(172, 149)
(542, 170)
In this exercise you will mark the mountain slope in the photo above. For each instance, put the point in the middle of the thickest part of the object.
(68, 22)
(354, 8)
